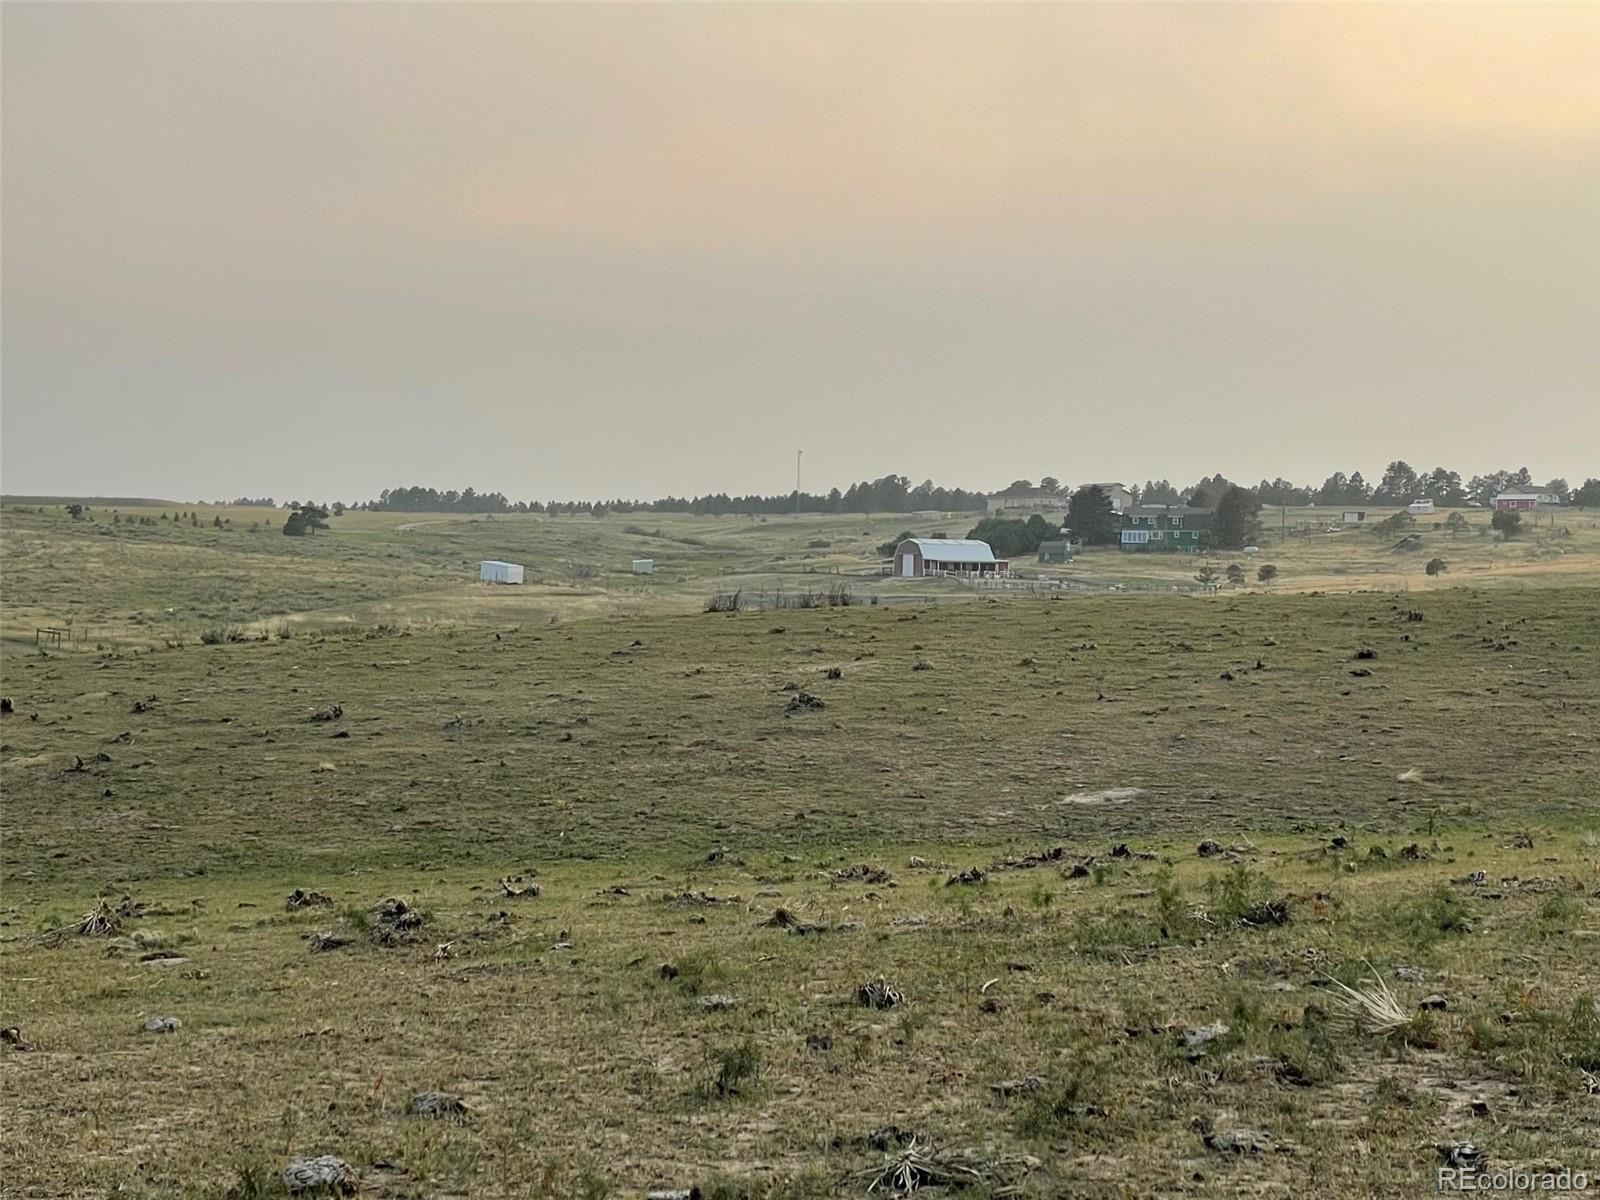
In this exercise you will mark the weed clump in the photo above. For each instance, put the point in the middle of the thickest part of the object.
(731, 1072)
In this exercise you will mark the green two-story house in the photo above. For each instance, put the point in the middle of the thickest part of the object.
(1163, 527)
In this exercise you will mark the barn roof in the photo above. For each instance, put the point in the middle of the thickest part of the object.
(953, 549)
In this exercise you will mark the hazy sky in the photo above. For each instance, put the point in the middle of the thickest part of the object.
(583, 250)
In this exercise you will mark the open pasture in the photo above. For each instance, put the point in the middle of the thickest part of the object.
(123, 575)
(1386, 784)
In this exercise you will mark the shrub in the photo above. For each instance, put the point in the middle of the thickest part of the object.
(732, 1071)
(1075, 1099)
(1437, 566)
(1506, 523)
(1428, 918)
(1245, 896)
(886, 549)
(725, 602)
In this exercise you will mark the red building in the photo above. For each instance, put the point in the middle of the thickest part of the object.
(1525, 501)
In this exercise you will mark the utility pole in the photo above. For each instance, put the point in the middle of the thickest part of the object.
(797, 455)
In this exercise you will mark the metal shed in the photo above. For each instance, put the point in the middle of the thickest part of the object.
(492, 570)
(936, 556)
(644, 566)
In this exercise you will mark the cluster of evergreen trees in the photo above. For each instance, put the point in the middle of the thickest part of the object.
(1400, 484)
(420, 499)
(891, 493)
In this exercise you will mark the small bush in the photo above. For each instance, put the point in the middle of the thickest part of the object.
(1243, 896)
(731, 1072)
(1559, 908)
(1506, 523)
(725, 602)
(1075, 1099)
(1429, 918)
(697, 973)
(1172, 911)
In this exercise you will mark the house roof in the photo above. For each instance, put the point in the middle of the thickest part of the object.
(1165, 510)
(1519, 494)
(953, 549)
(1032, 493)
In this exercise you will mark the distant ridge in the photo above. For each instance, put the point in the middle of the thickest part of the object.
(130, 501)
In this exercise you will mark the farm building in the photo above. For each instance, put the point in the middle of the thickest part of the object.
(937, 556)
(1525, 501)
(644, 566)
(1026, 500)
(492, 570)
(1121, 498)
(1354, 516)
(1055, 552)
(1163, 527)
(1420, 508)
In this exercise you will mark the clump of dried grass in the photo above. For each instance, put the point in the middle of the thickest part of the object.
(513, 887)
(879, 993)
(1372, 1006)
(920, 1164)
(99, 921)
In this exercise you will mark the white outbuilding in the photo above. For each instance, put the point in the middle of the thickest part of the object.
(644, 566)
(492, 570)
(946, 556)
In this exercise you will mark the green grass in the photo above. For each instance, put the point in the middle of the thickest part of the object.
(602, 738)
(171, 581)
(643, 769)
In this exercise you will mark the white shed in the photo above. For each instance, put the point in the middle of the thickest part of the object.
(946, 556)
(492, 570)
(1419, 508)
(644, 566)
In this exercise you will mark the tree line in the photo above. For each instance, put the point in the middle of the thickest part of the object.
(1399, 484)
(891, 493)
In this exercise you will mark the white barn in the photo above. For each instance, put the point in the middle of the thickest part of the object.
(492, 570)
(932, 556)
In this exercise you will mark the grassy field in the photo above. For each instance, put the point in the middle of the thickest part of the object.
(1191, 819)
(128, 576)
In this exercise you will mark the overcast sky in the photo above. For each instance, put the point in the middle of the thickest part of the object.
(590, 250)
